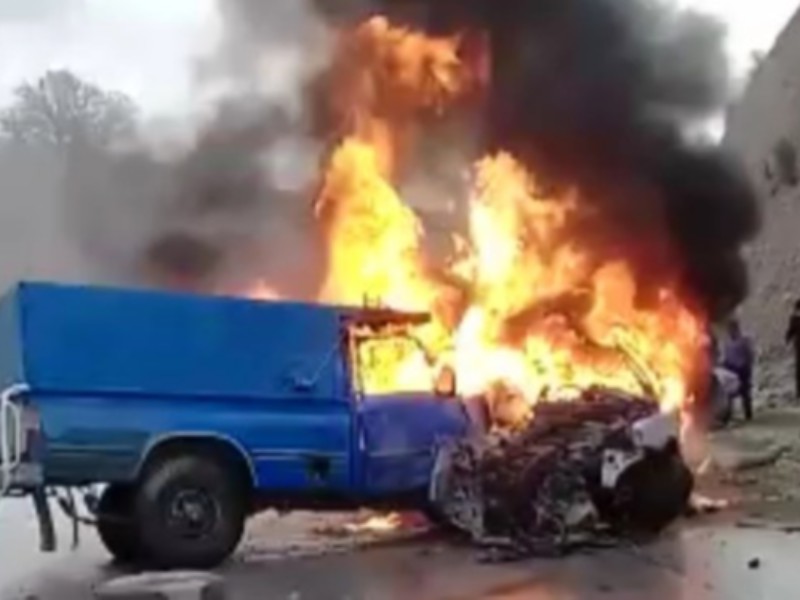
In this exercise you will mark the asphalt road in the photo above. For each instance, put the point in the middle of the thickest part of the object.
(20, 558)
(710, 561)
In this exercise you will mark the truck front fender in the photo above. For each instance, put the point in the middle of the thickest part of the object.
(458, 500)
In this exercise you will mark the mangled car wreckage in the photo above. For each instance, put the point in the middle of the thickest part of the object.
(594, 468)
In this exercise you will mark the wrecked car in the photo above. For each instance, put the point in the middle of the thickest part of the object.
(596, 467)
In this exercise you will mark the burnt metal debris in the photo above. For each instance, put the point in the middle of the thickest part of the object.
(543, 489)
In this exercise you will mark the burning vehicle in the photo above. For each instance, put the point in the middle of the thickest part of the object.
(541, 320)
(566, 305)
(234, 406)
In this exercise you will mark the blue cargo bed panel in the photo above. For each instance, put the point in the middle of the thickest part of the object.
(74, 339)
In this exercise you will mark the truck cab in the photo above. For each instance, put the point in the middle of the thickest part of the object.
(195, 412)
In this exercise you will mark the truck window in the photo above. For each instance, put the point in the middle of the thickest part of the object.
(392, 359)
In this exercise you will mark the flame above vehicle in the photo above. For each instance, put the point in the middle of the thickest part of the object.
(523, 301)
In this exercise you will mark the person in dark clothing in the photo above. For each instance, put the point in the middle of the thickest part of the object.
(793, 338)
(738, 356)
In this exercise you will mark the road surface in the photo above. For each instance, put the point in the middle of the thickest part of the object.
(697, 561)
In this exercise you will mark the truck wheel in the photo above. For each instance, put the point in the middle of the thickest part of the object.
(652, 494)
(115, 525)
(190, 511)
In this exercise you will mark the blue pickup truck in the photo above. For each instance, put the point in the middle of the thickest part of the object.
(196, 412)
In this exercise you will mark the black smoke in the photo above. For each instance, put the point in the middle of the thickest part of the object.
(238, 208)
(233, 206)
(226, 210)
(598, 95)
(591, 94)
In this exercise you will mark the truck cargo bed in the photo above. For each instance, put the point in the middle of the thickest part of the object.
(75, 339)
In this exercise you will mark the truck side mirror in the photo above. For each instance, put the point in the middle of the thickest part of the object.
(445, 384)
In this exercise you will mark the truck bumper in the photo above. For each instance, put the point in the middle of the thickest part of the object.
(21, 471)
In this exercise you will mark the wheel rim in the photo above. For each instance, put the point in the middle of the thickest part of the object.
(192, 513)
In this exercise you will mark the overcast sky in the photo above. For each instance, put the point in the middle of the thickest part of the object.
(143, 47)
(146, 47)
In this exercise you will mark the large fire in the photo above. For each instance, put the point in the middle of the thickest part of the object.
(523, 303)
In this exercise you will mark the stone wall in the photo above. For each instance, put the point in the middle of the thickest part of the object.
(763, 129)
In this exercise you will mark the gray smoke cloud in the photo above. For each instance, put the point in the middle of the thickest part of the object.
(596, 94)
(212, 203)
(229, 209)
(35, 239)
(238, 205)
(273, 46)
(229, 204)
(240, 197)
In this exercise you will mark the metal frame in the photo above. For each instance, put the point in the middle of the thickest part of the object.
(12, 436)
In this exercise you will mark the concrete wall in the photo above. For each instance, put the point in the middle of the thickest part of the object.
(767, 115)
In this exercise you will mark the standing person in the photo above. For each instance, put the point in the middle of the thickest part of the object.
(793, 337)
(739, 357)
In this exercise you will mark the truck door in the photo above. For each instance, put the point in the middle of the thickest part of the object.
(398, 438)
(301, 437)
(397, 432)
(306, 443)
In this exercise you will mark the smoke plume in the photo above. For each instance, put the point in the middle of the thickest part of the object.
(235, 208)
(239, 201)
(230, 206)
(595, 95)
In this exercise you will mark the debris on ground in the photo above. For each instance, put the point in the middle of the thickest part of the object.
(768, 525)
(733, 461)
(755, 466)
(704, 505)
(163, 586)
(540, 489)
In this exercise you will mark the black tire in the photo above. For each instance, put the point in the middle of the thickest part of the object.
(652, 494)
(115, 524)
(190, 510)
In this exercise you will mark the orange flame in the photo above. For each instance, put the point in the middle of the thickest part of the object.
(377, 524)
(538, 309)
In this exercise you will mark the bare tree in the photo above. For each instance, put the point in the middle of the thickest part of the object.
(60, 110)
